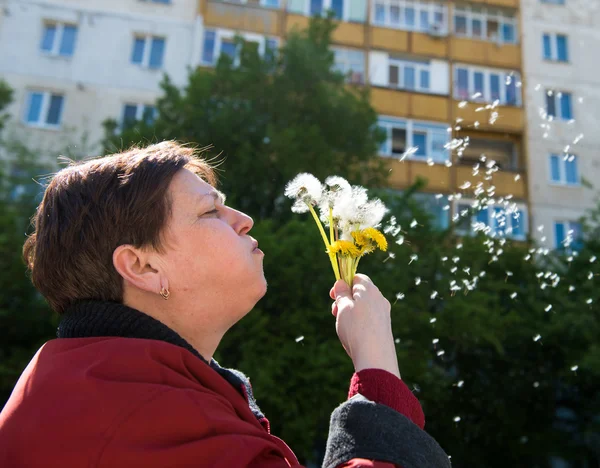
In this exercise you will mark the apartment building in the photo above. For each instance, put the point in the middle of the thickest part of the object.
(560, 50)
(73, 64)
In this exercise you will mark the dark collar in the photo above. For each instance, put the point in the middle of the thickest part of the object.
(89, 319)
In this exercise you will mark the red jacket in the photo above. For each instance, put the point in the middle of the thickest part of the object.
(127, 402)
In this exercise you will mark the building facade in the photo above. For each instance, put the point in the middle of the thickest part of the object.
(560, 47)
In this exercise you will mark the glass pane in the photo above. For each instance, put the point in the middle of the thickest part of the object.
(576, 235)
(438, 18)
(477, 28)
(35, 107)
(420, 140)
(565, 106)
(54, 110)
(511, 91)
(271, 44)
(561, 48)
(478, 83)
(338, 8)
(394, 73)
(518, 221)
(137, 55)
(482, 216)
(379, 13)
(228, 48)
(424, 79)
(48, 37)
(492, 30)
(409, 16)
(547, 47)
(156, 52)
(508, 33)
(494, 87)
(462, 85)
(398, 141)
(149, 114)
(571, 170)
(129, 114)
(559, 235)
(424, 16)
(316, 7)
(208, 51)
(550, 105)
(67, 45)
(395, 15)
(409, 77)
(272, 3)
(439, 139)
(499, 221)
(555, 168)
(460, 24)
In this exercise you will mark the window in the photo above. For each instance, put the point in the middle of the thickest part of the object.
(435, 207)
(567, 235)
(59, 39)
(351, 63)
(416, 140)
(503, 152)
(134, 112)
(43, 109)
(410, 15)
(554, 2)
(563, 169)
(157, 1)
(480, 84)
(148, 51)
(506, 220)
(222, 41)
(265, 3)
(555, 47)
(409, 74)
(321, 7)
(559, 104)
(485, 24)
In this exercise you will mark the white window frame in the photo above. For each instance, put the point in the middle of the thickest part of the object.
(139, 111)
(46, 97)
(58, 38)
(148, 50)
(389, 123)
(418, 66)
(554, 47)
(508, 210)
(346, 62)
(562, 170)
(430, 7)
(484, 15)
(326, 7)
(228, 34)
(487, 92)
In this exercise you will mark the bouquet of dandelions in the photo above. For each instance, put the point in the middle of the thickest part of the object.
(351, 217)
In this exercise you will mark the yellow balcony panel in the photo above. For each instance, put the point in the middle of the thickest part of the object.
(404, 174)
(350, 34)
(242, 17)
(389, 39)
(299, 22)
(503, 181)
(475, 115)
(486, 53)
(498, 3)
(425, 44)
(410, 105)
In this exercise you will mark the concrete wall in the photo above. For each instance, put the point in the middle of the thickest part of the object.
(579, 20)
(99, 78)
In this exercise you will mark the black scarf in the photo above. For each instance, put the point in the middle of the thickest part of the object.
(100, 318)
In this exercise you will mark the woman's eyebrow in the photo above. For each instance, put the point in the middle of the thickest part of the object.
(217, 195)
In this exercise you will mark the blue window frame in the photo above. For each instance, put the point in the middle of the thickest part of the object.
(208, 49)
(511, 91)
(571, 172)
(424, 15)
(550, 105)
(67, 44)
(338, 8)
(59, 39)
(462, 78)
(567, 235)
(518, 221)
(316, 7)
(129, 114)
(35, 107)
(547, 47)
(229, 48)
(478, 82)
(409, 78)
(420, 140)
(555, 168)
(495, 86)
(562, 48)
(425, 79)
(566, 109)
(137, 53)
(409, 16)
(157, 51)
(55, 109)
(44, 108)
(508, 33)
(48, 37)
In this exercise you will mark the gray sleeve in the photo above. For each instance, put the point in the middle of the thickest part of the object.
(360, 428)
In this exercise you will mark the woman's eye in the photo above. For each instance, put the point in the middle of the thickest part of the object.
(212, 212)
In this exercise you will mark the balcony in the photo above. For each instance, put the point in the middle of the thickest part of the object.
(397, 40)
(352, 34)
(498, 3)
(510, 119)
(485, 53)
(242, 17)
(410, 105)
(505, 182)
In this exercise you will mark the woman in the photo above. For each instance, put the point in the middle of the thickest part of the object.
(149, 269)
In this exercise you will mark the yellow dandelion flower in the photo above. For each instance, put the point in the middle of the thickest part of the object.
(377, 237)
(344, 247)
(359, 238)
(367, 249)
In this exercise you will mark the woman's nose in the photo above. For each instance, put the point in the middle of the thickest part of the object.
(242, 223)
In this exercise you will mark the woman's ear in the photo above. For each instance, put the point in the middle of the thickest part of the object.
(137, 267)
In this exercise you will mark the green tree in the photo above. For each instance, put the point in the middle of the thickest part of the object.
(270, 117)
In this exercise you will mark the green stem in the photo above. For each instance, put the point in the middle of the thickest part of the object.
(332, 259)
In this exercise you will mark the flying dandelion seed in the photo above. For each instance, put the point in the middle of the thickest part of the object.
(441, 352)
(433, 295)
(435, 341)
(592, 259)
(409, 152)
(589, 301)
(467, 270)
(459, 246)
(453, 270)
(537, 337)
(457, 419)
(571, 288)
(444, 259)
(417, 281)
(439, 195)
(455, 259)
(462, 104)
(299, 339)
(430, 162)
(413, 258)
(517, 177)
(574, 368)
(460, 383)
(397, 340)
(513, 295)
(399, 296)
(482, 274)
(414, 224)
(536, 384)
(590, 275)
(548, 308)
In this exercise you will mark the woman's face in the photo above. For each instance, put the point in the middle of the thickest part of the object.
(210, 260)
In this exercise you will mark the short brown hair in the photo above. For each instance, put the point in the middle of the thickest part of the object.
(91, 207)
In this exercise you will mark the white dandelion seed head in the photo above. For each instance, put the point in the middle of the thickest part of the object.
(305, 186)
(432, 320)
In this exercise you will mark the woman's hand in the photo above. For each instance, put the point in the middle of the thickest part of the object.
(363, 324)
